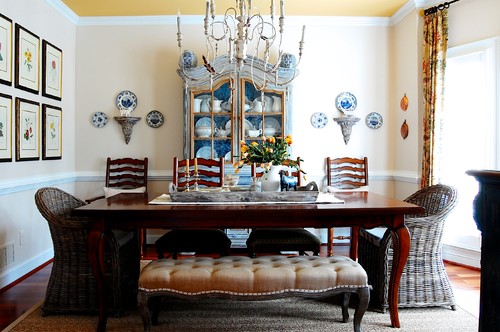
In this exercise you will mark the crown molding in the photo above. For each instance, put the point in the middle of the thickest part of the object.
(195, 19)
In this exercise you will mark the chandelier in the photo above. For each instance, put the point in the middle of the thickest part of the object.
(240, 28)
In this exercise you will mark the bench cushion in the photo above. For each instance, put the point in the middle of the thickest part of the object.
(240, 275)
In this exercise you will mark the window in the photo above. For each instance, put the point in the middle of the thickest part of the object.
(468, 134)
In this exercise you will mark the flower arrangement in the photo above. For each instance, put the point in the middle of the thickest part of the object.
(272, 151)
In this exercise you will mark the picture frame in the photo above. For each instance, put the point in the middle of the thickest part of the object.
(5, 128)
(5, 50)
(27, 75)
(52, 57)
(27, 130)
(51, 132)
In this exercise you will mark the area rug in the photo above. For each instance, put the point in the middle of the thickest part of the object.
(291, 314)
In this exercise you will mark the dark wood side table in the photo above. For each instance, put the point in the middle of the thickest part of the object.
(487, 217)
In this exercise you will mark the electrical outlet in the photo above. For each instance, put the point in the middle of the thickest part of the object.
(21, 237)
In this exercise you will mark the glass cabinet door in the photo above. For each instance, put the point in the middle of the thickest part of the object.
(263, 112)
(212, 114)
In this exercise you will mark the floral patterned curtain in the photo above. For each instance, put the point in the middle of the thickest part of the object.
(434, 62)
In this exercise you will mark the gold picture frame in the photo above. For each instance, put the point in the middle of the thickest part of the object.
(27, 130)
(5, 128)
(27, 75)
(51, 132)
(52, 60)
(5, 50)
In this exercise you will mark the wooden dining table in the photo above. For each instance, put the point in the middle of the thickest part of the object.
(357, 209)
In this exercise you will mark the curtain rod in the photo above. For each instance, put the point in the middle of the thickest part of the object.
(442, 6)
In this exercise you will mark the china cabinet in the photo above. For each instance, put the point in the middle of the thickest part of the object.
(487, 218)
(224, 104)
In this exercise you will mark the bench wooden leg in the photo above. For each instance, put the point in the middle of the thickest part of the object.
(345, 307)
(364, 299)
(142, 306)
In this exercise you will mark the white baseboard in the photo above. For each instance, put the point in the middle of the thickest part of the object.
(11, 275)
(462, 256)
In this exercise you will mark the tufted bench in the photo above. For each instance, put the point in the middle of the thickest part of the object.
(244, 278)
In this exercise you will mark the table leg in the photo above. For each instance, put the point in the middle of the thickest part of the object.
(401, 249)
(96, 240)
(353, 252)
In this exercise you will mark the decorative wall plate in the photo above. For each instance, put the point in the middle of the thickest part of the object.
(99, 119)
(126, 100)
(346, 102)
(374, 120)
(319, 120)
(404, 130)
(154, 119)
(404, 103)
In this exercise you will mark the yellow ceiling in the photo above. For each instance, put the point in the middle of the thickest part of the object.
(368, 8)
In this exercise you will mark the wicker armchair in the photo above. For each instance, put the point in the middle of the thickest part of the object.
(424, 282)
(72, 288)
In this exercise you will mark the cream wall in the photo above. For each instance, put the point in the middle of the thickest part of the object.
(144, 59)
(19, 180)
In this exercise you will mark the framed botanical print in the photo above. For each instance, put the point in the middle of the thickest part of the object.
(51, 71)
(27, 130)
(5, 128)
(27, 75)
(5, 50)
(51, 132)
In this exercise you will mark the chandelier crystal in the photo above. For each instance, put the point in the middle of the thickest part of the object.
(240, 28)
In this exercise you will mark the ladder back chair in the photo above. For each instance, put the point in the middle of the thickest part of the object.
(272, 240)
(126, 175)
(200, 241)
(346, 174)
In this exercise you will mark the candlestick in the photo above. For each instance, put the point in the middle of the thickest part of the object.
(186, 175)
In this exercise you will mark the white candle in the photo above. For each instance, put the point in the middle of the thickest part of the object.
(282, 8)
(272, 8)
(303, 32)
(178, 21)
(207, 10)
(212, 8)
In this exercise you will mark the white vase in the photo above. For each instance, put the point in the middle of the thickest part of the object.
(271, 180)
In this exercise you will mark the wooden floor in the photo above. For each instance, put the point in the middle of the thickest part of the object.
(16, 300)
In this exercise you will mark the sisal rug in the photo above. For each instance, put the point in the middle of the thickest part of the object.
(291, 314)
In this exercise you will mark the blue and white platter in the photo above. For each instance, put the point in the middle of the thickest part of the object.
(154, 119)
(346, 102)
(99, 119)
(319, 120)
(126, 100)
(374, 120)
